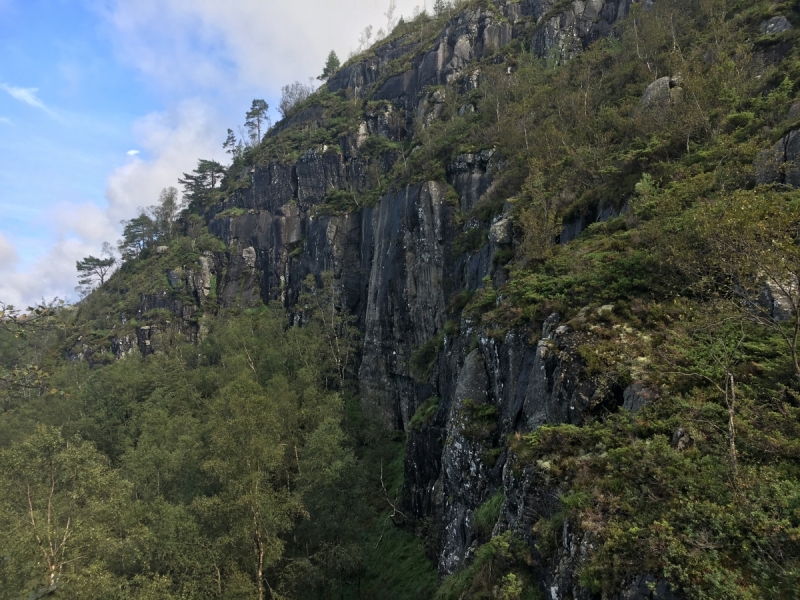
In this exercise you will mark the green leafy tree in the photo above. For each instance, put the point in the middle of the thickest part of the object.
(165, 213)
(93, 271)
(747, 244)
(441, 7)
(138, 234)
(60, 507)
(292, 96)
(232, 146)
(200, 184)
(257, 120)
(332, 65)
(255, 504)
(325, 307)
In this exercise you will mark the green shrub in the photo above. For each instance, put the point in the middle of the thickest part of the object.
(230, 212)
(487, 514)
(452, 328)
(470, 241)
(424, 413)
(480, 420)
(424, 358)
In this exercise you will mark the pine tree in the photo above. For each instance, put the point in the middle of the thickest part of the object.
(198, 184)
(256, 119)
(230, 143)
(94, 271)
(331, 66)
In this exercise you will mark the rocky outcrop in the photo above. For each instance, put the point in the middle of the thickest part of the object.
(562, 35)
(488, 393)
(662, 93)
(471, 174)
(472, 35)
(781, 163)
(573, 226)
(775, 25)
(778, 301)
(405, 302)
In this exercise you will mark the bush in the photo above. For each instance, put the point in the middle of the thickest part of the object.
(424, 359)
(425, 413)
(292, 96)
(487, 514)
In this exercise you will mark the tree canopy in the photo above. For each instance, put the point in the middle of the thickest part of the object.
(332, 65)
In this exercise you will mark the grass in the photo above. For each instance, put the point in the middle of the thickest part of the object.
(424, 358)
(487, 514)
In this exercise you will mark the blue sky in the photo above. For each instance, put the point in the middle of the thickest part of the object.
(105, 102)
(63, 150)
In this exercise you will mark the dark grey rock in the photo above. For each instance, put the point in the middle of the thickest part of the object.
(661, 93)
(175, 279)
(471, 176)
(777, 301)
(550, 324)
(775, 25)
(781, 163)
(647, 587)
(637, 396)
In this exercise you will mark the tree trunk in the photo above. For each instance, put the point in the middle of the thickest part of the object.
(730, 399)
(259, 549)
(793, 349)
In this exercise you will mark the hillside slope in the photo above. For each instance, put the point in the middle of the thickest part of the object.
(566, 234)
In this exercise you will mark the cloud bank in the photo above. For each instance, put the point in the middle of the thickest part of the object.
(174, 140)
(203, 43)
(8, 255)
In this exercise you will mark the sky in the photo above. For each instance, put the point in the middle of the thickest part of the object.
(103, 103)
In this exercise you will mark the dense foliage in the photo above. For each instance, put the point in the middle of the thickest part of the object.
(224, 470)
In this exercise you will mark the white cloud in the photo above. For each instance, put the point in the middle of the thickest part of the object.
(210, 43)
(133, 152)
(176, 140)
(90, 223)
(26, 95)
(8, 254)
(53, 275)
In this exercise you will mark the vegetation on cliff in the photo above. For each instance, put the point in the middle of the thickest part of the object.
(234, 462)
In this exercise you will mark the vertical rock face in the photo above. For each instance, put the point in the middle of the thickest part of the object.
(567, 33)
(405, 297)
(475, 34)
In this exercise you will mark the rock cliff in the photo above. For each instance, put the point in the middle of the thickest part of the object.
(409, 254)
(402, 278)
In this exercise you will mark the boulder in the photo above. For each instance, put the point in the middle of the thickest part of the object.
(661, 93)
(781, 163)
(249, 256)
(775, 25)
(636, 396)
